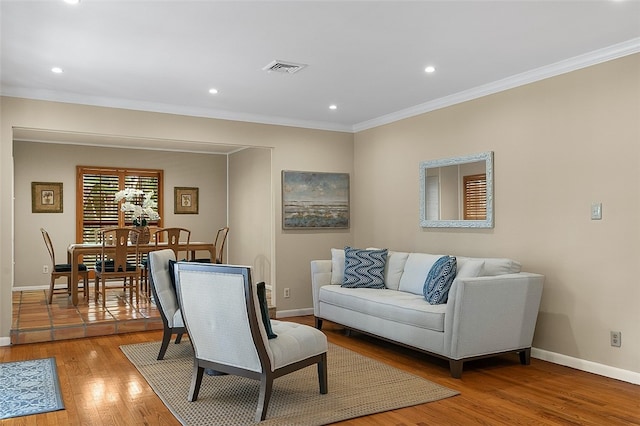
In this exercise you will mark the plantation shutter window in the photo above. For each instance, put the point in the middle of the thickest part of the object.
(475, 197)
(95, 200)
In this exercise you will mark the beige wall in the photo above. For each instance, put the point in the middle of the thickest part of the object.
(45, 162)
(251, 207)
(292, 148)
(559, 145)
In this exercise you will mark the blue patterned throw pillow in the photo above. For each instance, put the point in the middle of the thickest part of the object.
(439, 280)
(364, 268)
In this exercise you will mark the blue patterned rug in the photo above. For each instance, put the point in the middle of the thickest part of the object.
(29, 387)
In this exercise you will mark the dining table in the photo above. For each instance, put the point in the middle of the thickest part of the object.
(76, 250)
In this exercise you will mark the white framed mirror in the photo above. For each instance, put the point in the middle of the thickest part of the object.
(457, 192)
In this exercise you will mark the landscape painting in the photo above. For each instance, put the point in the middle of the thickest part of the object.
(312, 200)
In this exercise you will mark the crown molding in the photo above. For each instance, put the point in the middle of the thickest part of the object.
(609, 53)
(97, 101)
(615, 51)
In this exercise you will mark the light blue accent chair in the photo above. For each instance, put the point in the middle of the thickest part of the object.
(222, 315)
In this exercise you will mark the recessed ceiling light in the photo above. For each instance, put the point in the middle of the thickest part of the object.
(213, 91)
(56, 70)
(333, 107)
(429, 69)
(72, 1)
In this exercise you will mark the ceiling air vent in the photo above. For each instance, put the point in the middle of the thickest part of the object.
(283, 67)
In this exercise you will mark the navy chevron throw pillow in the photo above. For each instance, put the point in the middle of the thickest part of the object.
(439, 280)
(364, 268)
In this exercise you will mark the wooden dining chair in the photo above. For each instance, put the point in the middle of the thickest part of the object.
(174, 237)
(114, 262)
(60, 270)
(221, 238)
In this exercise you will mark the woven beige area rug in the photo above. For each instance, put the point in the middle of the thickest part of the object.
(358, 386)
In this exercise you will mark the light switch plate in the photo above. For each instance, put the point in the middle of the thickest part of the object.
(596, 211)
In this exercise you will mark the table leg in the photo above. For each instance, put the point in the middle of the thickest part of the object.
(74, 278)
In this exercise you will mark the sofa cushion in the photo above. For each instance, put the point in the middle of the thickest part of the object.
(439, 279)
(415, 272)
(469, 268)
(337, 266)
(364, 268)
(398, 306)
(495, 266)
(394, 268)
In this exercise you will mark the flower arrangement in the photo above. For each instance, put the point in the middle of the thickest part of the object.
(141, 212)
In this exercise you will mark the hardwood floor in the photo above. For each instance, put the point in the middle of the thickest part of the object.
(100, 386)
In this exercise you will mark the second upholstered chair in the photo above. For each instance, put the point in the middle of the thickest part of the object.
(164, 294)
(226, 327)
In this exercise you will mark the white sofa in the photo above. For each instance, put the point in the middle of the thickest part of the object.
(491, 309)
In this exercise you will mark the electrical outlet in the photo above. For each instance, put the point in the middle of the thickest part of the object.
(616, 338)
(287, 293)
(45, 269)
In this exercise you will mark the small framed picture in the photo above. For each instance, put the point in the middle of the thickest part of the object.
(46, 197)
(185, 200)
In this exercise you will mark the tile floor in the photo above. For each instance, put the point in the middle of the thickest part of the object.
(34, 320)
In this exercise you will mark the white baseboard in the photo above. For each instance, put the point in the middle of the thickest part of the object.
(556, 358)
(5, 341)
(588, 366)
(294, 313)
(31, 287)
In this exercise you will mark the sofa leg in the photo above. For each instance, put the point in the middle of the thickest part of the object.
(525, 356)
(318, 323)
(455, 365)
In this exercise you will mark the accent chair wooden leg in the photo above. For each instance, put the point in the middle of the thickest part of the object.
(266, 385)
(525, 356)
(322, 374)
(455, 365)
(166, 338)
(196, 381)
(318, 323)
(178, 338)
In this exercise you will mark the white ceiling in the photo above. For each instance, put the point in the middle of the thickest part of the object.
(366, 57)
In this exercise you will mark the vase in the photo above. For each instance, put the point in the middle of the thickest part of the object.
(143, 237)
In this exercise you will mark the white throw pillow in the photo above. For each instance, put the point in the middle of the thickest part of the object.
(337, 266)
(498, 266)
(415, 272)
(396, 261)
(470, 268)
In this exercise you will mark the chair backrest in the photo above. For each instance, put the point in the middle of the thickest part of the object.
(221, 236)
(118, 239)
(220, 311)
(164, 292)
(47, 242)
(174, 236)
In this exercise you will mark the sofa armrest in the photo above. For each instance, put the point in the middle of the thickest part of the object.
(320, 275)
(492, 314)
